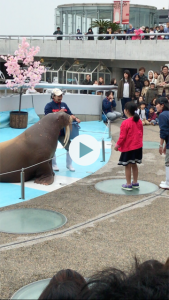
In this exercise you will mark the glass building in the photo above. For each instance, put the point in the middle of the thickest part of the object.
(71, 17)
(76, 74)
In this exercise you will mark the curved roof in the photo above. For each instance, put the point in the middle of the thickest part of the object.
(104, 4)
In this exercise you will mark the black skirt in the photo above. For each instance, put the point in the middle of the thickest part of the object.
(131, 157)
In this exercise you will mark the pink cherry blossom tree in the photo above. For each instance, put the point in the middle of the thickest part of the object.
(27, 75)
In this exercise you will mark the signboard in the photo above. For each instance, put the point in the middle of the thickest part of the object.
(125, 13)
(116, 12)
(118, 16)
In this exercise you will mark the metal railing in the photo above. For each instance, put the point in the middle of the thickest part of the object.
(83, 37)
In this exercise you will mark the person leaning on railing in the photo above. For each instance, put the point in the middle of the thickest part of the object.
(58, 32)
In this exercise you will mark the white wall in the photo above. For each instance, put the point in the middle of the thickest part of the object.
(115, 50)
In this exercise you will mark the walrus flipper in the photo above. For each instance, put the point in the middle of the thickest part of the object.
(45, 174)
(46, 180)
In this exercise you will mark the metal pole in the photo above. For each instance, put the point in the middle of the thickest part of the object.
(103, 150)
(121, 11)
(22, 184)
(109, 125)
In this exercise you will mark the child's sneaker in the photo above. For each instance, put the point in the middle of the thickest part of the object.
(127, 187)
(135, 185)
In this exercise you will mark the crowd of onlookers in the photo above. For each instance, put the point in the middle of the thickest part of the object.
(137, 34)
(146, 281)
(141, 89)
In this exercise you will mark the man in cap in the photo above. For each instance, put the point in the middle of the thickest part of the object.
(56, 105)
(58, 32)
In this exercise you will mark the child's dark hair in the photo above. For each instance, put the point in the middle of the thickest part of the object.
(108, 93)
(152, 107)
(132, 107)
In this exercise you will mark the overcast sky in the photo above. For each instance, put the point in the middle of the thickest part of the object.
(37, 16)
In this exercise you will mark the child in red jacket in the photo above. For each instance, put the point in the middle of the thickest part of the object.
(152, 117)
(130, 143)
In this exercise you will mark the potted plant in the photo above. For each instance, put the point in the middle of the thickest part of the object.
(103, 25)
(26, 72)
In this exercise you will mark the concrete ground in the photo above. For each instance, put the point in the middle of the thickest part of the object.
(102, 230)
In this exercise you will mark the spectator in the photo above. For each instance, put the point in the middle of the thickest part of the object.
(58, 32)
(166, 30)
(131, 29)
(137, 82)
(101, 81)
(108, 105)
(109, 31)
(151, 76)
(140, 99)
(90, 38)
(138, 33)
(130, 145)
(142, 111)
(126, 90)
(66, 284)
(87, 81)
(152, 36)
(145, 88)
(136, 96)
(79, 37)
(152, 117)
(163, 82)
(147, 280)
(113, 81)
(161, 37)
(95, 82)
(56, 105)
(151, 93)
(162, 106)
(156, 74)
(141, 75)
(146, 37)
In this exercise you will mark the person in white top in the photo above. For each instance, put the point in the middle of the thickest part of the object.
(141, 111)
(126, 90)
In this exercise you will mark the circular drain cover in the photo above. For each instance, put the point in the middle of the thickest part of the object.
(30, 220)
(150, 145)
(113, 186)
(32, 290)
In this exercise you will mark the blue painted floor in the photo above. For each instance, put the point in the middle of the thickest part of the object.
(11, 193)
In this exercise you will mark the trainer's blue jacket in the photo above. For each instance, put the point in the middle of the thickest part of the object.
(107, 105)
(164, 126)
(52, 107)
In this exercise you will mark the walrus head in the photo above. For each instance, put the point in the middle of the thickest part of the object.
(65, 121)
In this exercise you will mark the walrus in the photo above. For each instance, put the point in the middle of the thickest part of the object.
(36, 144)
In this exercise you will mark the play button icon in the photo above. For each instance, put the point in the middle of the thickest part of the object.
(84, 150)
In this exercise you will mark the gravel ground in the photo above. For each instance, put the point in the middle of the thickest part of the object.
(141, 229)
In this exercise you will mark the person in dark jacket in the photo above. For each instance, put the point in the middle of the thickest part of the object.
(87, 81)
(58, 32)
(55, 106)
(79, 37)
(151, 93)
(90, 38)
(107, 106)
(162, 107)
(142, 76)
(125, 90)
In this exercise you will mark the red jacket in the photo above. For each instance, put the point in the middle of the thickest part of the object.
(152, 116)
(131, 135)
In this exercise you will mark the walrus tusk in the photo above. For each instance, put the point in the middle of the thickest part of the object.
(67, 133)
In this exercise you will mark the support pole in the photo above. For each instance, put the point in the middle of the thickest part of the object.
(103, 150)
(109, 125)
(22, 184)
(121, 11)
